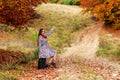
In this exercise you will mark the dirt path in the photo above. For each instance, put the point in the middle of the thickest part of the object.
(87, 42)
(86, 47)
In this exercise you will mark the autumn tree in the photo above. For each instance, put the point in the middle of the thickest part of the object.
(104, 10)
(17, 12)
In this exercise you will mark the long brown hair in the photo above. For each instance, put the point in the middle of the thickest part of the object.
(40, 32)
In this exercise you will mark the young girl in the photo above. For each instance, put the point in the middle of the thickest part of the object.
(44, 50)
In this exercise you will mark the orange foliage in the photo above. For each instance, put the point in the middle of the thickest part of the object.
(108, 11)
(90, 3)
(17, 12)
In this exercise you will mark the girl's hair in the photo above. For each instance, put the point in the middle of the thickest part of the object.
(40, 31)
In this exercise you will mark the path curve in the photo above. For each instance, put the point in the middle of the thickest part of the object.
(85, 49)
(87, 42)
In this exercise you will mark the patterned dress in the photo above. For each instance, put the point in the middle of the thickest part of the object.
(44, 50)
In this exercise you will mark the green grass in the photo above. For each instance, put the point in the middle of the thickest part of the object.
(4, 76)
(10, 66)
(54, 1)
(66, 2)
(90, 74)
(109, 47)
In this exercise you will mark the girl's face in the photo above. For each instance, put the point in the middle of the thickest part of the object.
(43, 31)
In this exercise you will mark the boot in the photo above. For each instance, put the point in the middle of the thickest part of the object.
(47, 66)
(54, 64)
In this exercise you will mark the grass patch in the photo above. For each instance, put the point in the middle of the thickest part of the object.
(29, 56)
(10, 66)
(66, 2)
(11, 71)
(4, 76)
(109, 47)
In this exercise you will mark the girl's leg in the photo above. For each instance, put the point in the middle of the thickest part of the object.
(52, 61)
(54, 58)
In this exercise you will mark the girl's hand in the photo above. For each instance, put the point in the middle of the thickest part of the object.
(53, 28)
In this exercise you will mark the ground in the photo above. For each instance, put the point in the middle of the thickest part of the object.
(78, 62)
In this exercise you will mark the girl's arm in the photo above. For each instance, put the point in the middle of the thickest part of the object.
(50, 31)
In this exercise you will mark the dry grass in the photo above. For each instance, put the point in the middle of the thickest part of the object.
(109, 46)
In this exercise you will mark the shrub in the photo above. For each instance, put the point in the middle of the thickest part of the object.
(109, 47)
(104, 10)
(17, 12)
